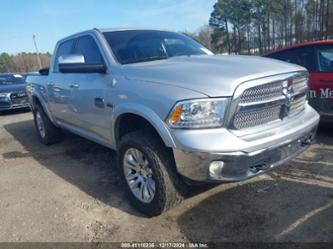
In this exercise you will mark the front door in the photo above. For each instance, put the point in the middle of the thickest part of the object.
(89, 107)
(58, 86)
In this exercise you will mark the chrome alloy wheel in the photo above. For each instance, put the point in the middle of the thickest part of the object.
(40, 125)
(139, 175)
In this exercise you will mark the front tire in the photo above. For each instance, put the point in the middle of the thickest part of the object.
(47, 133)
(148, 173)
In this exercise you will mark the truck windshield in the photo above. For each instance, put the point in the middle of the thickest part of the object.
(133, 46)
(11, 79)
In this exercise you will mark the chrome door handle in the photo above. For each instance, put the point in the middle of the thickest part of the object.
(99, 102)
(51, 83)
(74, 85)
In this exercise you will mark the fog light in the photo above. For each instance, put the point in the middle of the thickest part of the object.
(215, 168)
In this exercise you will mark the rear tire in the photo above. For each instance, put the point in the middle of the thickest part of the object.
(47, 133)
(162, 189)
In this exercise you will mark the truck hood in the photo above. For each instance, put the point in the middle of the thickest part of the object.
(214, 76)
(12, 88)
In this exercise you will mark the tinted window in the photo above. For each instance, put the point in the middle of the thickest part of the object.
(132, 46)
(325, 58)
(283, 56)
(11, 79)
(303, 56)
(89, 49)
(64, 48)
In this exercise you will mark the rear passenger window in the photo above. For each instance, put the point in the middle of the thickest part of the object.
(64, 48)
(89, 49)
(303, 56)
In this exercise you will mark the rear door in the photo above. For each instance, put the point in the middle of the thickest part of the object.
(322, 78)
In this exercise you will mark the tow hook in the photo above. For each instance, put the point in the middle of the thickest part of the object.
(307, 141)
(260, 167)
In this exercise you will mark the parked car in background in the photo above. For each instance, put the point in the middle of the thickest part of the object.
(175, 113)
(317, 57)
(25, 75)
(12, 92)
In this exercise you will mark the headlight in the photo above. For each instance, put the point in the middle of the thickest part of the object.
(4, 95)
(198, 113)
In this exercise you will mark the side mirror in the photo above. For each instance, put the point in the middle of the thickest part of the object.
(75, 63)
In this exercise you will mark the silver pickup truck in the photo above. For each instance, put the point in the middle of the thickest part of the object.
(176, 113)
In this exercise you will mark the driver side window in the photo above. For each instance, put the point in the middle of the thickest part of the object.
(88, 48)
(64, 48)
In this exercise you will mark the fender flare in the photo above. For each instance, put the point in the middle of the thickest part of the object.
(146, 113)
(37, 95)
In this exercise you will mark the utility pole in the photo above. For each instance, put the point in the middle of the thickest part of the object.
(37, 52)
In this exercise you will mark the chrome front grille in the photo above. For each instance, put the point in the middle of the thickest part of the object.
(298, 105)
(262, 93)
(299, 83)
(256, 117)
(270, 101)
(19, 98)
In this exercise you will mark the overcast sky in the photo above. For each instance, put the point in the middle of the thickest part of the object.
(52, 20)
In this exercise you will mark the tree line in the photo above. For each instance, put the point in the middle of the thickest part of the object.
(258, 26)
(237, 26)
(22, 62)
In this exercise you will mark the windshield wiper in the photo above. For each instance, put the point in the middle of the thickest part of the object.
(151, 58)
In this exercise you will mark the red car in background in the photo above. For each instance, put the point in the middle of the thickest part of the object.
(317, 57)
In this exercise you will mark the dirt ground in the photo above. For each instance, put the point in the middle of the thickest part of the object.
(70, 192)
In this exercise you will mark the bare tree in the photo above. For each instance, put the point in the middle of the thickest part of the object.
(253, 26)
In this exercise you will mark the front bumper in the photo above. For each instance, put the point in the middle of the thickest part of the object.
(7, 103)
(254, 156)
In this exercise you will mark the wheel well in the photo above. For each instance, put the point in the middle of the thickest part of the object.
(131, 122)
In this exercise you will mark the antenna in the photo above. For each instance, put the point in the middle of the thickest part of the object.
(37, 52)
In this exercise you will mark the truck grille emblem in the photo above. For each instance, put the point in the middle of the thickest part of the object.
(288, 92)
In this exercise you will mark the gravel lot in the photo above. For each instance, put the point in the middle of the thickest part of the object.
(70, 192)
